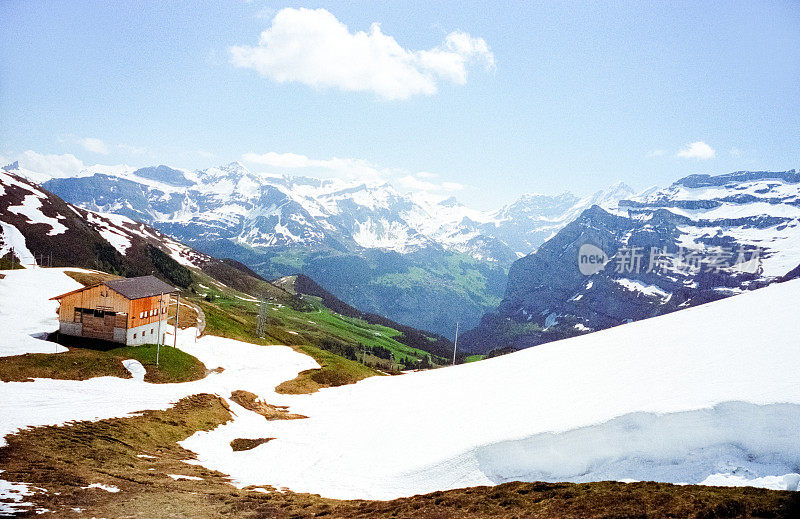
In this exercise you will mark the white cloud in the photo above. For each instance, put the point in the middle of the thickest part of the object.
(133, 150)
(413, 183)
(697, 150)
(94, 145)
(425, 174)
(311, 46)
(50, 165)
(657, 153)
(351, 169)
(341, 167)
(736, 152)
(280, 160)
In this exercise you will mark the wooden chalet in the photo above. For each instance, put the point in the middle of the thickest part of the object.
(129, 311)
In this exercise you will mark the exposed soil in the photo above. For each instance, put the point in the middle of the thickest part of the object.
(245, 444)
(90, 278)
(75, 364)
(251, 402)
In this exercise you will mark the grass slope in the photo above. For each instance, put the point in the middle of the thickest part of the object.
(440, 348)
(82, 364)
(336, 371)
(300, 320)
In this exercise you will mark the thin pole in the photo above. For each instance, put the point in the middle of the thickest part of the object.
(158, 341)
(177, 314)
(455, 345)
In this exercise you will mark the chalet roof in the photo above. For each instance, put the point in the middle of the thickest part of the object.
(137, 288)
(132, 288)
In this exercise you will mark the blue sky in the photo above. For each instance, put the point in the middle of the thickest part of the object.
(478, 100)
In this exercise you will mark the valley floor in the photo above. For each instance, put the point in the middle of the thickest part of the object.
(708, 395)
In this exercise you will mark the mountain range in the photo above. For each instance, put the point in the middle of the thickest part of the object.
(420, 261)
(701, 239)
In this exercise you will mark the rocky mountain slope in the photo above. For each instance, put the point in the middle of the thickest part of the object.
(39, 227)
(701, 239)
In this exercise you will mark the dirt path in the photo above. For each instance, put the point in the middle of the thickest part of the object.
(201, 316)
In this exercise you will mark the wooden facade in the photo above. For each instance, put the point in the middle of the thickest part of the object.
(100, 312)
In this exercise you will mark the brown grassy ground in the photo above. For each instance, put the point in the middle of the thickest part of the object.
(250, 401)
(75, 364)
(90, 278)
(62, 460)
(245, 444)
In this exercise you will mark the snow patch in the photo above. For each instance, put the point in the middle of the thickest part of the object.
(11, 238)
(135, 368)
(637, 286)
(12, 497)
(22, 319)
(101, 486)
(31, 208)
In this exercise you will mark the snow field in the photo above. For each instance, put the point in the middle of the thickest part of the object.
(26, 311)
(708, 392)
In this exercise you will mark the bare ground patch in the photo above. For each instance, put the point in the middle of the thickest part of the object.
(245, 444)
(251, 402)
(334, 371)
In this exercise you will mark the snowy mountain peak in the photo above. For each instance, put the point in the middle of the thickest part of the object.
(609, 198)
(12, 167)
(231, 170)
(165, 174)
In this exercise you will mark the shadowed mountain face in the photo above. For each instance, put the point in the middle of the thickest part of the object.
(701, 239)
(39, 227)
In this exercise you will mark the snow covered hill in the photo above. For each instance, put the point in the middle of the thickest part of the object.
(38, 227)
(709, 394)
